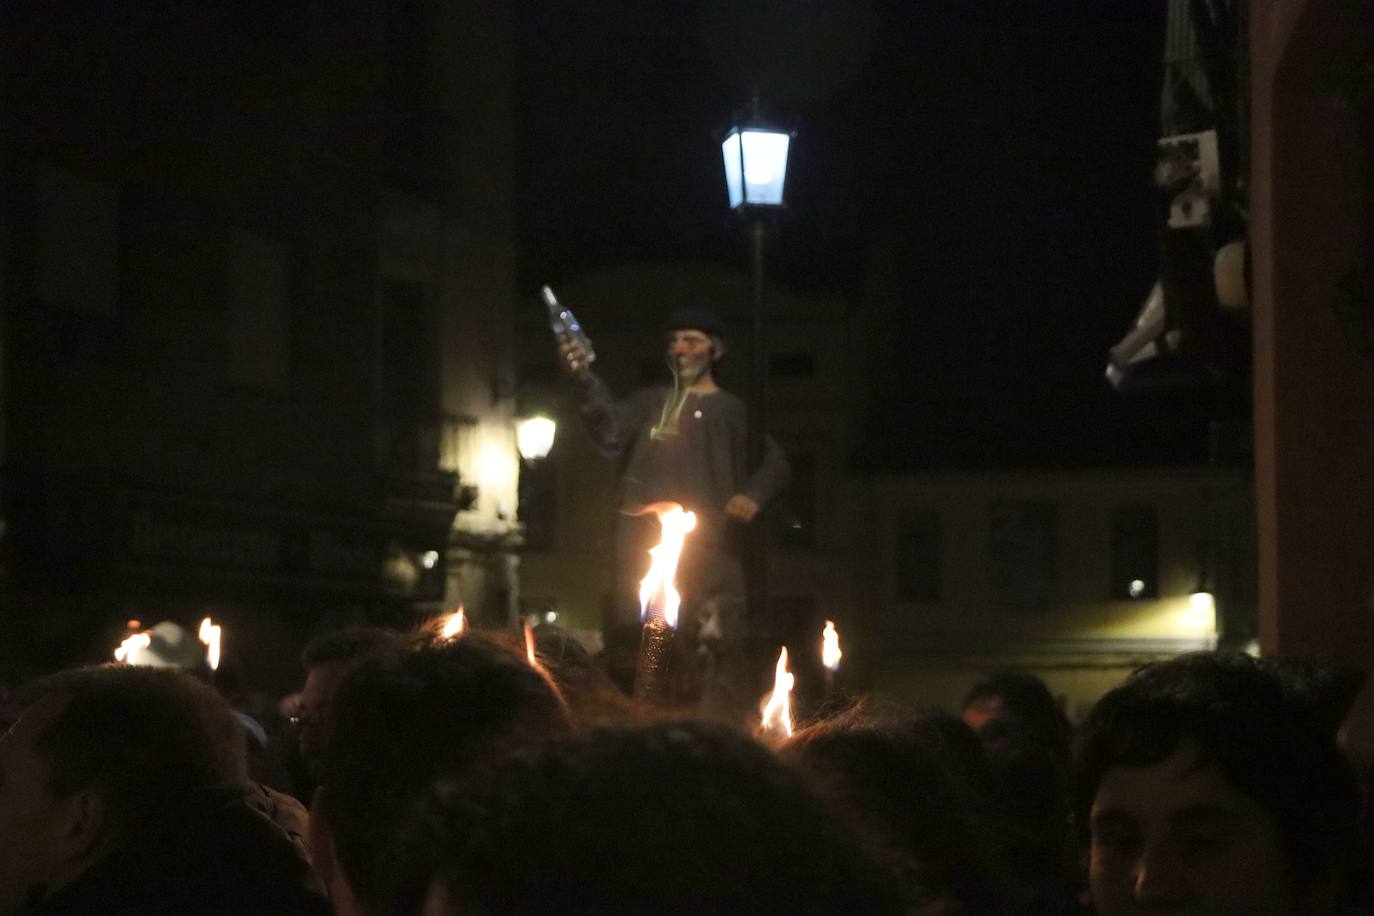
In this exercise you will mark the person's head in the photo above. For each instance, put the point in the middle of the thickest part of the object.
(98, 755)
(680, 817)
(400, 722)
(947, 735)
(1212, 782)
(327, 660)
(696, 342)
(592, 697)
(1029, 776)
(1019, 695)
(905, 784)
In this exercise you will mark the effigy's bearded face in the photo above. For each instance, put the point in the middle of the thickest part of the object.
(690, 352)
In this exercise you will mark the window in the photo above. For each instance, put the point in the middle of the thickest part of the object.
(414, 427)
(76, 243)
(918, 555)
(410, 350)
(792, 365)
(797, 515)
(1022, 554)
(418, 156)
(1135, 552)
(794, 622)
(259, 312)
(537, 503)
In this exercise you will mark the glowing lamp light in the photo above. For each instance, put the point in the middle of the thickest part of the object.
(534, 437)
(755, 166)
(1201, 614)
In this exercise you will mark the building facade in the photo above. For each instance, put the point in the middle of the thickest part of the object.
(1312, 248)
(256, 303)
(1077, 576)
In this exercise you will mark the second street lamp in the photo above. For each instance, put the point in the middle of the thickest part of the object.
(755, 159)
(534, 437)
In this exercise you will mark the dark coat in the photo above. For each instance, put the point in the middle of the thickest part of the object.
(220, 853)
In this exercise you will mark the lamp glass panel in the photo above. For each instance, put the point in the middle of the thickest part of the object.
(734, 169)
(765, 166)
(534, 437)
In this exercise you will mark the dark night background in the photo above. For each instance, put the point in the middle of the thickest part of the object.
(997, 154)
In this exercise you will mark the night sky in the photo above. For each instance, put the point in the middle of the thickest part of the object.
(1000, 151)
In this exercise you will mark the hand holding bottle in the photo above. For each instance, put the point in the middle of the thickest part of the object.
(574, 348)
(574, 359)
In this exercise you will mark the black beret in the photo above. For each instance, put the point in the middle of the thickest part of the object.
(696, 319)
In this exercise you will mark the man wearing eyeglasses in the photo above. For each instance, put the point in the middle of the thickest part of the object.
(327, 661)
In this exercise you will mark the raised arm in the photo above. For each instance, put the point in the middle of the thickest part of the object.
(611, 424)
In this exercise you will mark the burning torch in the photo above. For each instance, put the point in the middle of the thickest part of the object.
(830, 655)
(659, 600)
(775, 718)
(454, 625)
(211, 634)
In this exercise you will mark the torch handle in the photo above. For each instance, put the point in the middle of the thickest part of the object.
(651, 677)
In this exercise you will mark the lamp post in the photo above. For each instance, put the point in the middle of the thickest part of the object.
(755, 159)
(534, 488)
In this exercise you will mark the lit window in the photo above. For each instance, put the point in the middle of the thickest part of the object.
(918, 555)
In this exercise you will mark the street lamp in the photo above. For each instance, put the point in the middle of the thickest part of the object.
(535, 488)
(755, 160)
(755, 166)
(534, 437)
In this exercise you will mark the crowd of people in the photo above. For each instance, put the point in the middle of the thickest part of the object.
(419, 774)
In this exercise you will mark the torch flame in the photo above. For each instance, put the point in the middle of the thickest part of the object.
(776, 719)
(830, 646)
(210, 634)
(660, 582)
(455, 625)
(132, 645)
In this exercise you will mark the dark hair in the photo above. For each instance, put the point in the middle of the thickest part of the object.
(349, 644)
(683, 817)
(400, 722)
(144, 738)
(1030, 791)
(1264, 731)
(900, 777)
(956, 744)
(593, 698)
(1025, 696)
